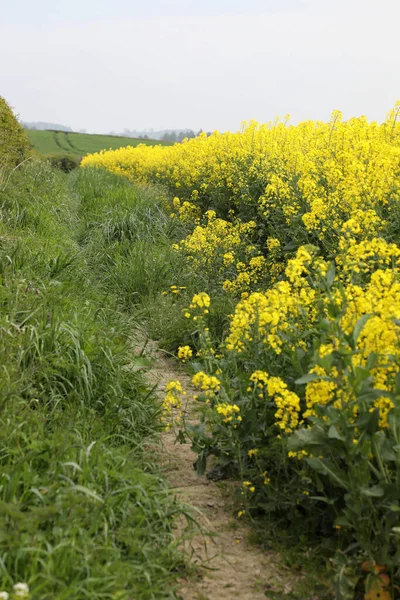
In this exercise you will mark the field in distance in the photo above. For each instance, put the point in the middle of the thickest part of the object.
(80, 144)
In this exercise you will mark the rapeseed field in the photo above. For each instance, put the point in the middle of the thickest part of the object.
(286, 310)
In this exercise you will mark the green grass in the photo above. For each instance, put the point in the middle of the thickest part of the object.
(129, 235)
(80, 144)
(83, 511)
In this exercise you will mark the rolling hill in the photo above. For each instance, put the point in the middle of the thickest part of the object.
(80, 144)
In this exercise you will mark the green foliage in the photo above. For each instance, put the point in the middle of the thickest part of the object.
(355, 459)
(65, 162)
(14, 145)
(83, 511)
(128, 236)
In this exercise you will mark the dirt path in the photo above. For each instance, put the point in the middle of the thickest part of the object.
(229, 566)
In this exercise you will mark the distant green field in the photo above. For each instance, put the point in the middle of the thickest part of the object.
(80, 144)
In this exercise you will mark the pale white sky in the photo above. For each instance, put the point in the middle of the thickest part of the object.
(109, 64)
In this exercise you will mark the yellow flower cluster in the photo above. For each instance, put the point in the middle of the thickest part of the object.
(172, 402)
(175, 290)
(319, 391)
(215, 244)
(268, 316)
(199, 305)
(185, 353)
(206, 383)
(249, 486)
(366, 256)
(384, 406)
(273, 244)
(260, 378)
(249, 274)
(229, 412)
(201, 300)
(321, 173)
(363, 223)
(287, 402)
(253, 452)
(379, 303)
(188, 212)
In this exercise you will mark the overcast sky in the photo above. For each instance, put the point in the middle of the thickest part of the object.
(109, 65)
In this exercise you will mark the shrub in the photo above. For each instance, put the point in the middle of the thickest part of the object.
(65, 162)
(14, 144)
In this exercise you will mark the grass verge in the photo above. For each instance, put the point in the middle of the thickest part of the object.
(84, 513)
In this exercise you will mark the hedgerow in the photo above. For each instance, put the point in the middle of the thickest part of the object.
(14, 144)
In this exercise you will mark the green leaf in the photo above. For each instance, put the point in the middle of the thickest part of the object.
(384, 447)
(345, 584)
(373, 394)
(322, 499)
(201, 464)
(324, 467)
(397, 383)
(333, 310)
(376, 491)
(396, 530)
(87, 492)
(372, 360)
(304, 438)
(362, 374)
(330, 274)
(326, 362)
(334, 434)
(359, 326)
(307, 378)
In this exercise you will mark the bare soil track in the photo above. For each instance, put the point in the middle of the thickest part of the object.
(228, 565)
